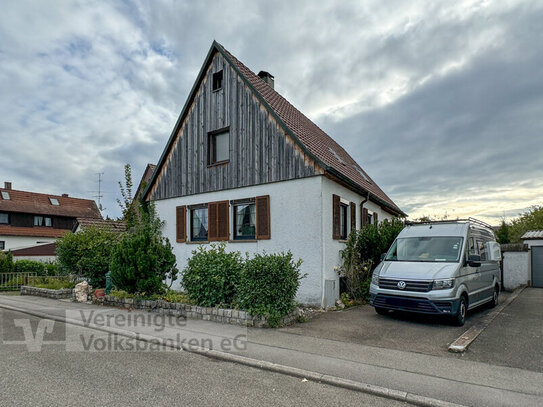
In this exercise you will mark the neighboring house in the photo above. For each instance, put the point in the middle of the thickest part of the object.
(44, 252)
(113, 225)
(244, 166)
(147, 174)
(28, 218)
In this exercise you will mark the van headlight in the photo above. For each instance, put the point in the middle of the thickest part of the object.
(375, 278)
(443, 284)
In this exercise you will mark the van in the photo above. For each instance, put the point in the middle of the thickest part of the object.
(442, 268)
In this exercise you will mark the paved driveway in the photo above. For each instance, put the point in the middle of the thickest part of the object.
(402, 331)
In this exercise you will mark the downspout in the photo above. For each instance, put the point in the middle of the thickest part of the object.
(362, 207)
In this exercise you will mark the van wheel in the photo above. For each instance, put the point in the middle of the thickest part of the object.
(495, 297)
(381, 311)
(460, 318)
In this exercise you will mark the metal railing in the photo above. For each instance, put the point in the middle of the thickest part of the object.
(14, 281)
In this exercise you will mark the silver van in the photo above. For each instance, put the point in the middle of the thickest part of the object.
(442, 268)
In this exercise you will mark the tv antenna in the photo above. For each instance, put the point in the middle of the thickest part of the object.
(99, 196)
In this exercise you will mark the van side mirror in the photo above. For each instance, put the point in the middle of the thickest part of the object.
(474, 260)
(383, 256)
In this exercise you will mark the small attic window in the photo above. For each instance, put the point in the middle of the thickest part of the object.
(54, 201)
(217, 80)
(359, 170)
(5, 195)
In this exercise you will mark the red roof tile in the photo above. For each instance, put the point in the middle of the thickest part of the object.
(39, 204)
(113, 225)
(48, 249)
(36, 231)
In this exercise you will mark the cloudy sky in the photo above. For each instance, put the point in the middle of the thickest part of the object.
(441, 102)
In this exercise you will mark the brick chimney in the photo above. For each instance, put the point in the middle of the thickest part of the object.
(7, 185)
(267, 77)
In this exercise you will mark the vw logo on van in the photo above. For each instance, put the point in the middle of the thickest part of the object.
(401, 285)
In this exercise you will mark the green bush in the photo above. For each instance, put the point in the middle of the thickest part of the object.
(86, 253)
(29, 266)
(143, 259)
(268, 285)
(363, 253)
(211, 276)
(530, 220)
(6, 262)
(53, 283)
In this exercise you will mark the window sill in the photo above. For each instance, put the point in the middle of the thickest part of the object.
(197, 241)
(224, 162)
(243, 241)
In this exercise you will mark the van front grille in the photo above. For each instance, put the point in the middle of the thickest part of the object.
(410, 285)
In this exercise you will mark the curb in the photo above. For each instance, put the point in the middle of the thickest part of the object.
(461, 344)
(255, 363)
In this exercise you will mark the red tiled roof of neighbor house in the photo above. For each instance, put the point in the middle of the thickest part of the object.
(329, 154)
(113, 225)
(40, 204)
(36, 231)
(48, 249)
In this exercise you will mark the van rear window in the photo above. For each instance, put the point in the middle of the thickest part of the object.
(426, 249)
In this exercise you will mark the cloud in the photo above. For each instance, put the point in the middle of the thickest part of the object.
(439, 102)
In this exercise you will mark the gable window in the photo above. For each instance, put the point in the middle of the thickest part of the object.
(54, 201)
(198, 224)
(343, 221)
(219, 146)
(42, 221)
(4, 218)
(217, 80)
(5, 195)
(245, 221)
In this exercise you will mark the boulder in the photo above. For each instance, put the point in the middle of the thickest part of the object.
(82, 291)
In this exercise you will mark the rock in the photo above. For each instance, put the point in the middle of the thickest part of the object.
(339, 304)
(82, 291)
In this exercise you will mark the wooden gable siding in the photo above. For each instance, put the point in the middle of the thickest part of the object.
(260, 151)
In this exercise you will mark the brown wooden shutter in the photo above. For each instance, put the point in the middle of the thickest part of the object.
(212, 230)
(375, 217)
(365, 216)
(353, 216)
(336, 232)
(180, 218)
(223, 229)
(263, 217)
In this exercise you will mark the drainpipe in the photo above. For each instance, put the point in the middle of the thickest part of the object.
(362, 207)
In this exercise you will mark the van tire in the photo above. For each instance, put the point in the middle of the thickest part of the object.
(495, 298)
(381, 311)
(460, 318)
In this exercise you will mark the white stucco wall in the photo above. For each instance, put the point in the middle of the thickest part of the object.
(331, 247)
(516, 269)
(533, 242)
(18, 242)
(43, 259)
(295, 220)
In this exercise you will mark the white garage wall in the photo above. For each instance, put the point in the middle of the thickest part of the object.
(18, 242)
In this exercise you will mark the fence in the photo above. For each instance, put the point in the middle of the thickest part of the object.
(14, 281)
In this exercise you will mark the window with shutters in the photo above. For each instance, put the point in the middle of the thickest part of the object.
(343, 230)
(181, 217)
(245, 221)
(263, 227)
(198, 224)
(218, 221)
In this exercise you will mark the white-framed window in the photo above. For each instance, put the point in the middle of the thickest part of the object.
(43, 221)
(5, 195)
(54, 201)
(244, 221)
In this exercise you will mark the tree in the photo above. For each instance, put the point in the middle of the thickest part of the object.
(529, 220)
(128, 204)
(143, 259)
(503, 233)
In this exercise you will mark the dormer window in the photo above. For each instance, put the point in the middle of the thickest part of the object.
(5, 195)
(43, 221)
(4, 218)
(54, 201)
(217, 80)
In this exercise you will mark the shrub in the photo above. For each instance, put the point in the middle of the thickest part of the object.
(211, 276)
(176, 297)
(143, 258)
(6, 262)
(268, 285)
(53, 283)
(530, 220)
(29, 266)
(87, 253)
(121, 294)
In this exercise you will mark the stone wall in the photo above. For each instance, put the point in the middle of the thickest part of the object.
(222, 315)
(46, 292)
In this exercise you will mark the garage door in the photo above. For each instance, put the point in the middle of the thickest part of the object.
(537, 266)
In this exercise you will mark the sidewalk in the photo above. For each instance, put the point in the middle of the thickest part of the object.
(443, 378)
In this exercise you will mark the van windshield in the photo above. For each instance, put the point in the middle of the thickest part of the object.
(431, 249)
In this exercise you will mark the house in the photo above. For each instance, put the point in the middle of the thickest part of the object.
(244, 166)
(117, 226)
(147, 174)
(29, 218)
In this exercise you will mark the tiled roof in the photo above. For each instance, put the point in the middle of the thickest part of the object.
(36, 231)
(315, 140)
(40, 204)
(148, 173)
(114, 225)
(533, 234)
(47, 249)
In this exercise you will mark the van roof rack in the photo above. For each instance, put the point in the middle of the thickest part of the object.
(468, 220)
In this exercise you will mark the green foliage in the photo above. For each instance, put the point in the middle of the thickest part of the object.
(87, 253)
(143, 258)
(268, 285)
(363, 252)
(53, 283)
(503, 233)
(6, 262)
(29, 266)
(121, 294)
(128, 204)
(211, 276)
(176, 297)
(530, 220)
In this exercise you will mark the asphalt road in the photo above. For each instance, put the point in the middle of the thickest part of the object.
(53, 376)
